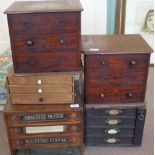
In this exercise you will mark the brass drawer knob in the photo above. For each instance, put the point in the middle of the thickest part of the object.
(41, 99)
(102, 95)
(39, 81)
(132, 63)
(113, 122)
(130, 95)
(73, 116)
(111, 140)
(74, 129)
(14, 119)
(114, 112)
(29, 42)
(40, 90)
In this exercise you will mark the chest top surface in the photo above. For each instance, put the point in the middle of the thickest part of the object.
(116, 44)
(44, 6)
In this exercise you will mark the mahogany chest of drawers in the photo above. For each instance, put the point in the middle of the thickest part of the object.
(42, 89)
(45, 36)
(115, 68)
(49, 126)
(114, 126)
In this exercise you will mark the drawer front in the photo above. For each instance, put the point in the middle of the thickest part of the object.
(44, 22)
(66, 98)
(95, 112)
(110, 131)
(40, 89)
(34, 42)
(115, 79)
(42, 118)
(47, 62)
(108, 141)
(119, 62)
(38, 131)
(40, 80)
(46, 141)
(110, 122)
(103, 95)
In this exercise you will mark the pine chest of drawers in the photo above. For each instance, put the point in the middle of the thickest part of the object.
(42, 126)
(45, 36)
(114, 126)
(115, 68)
(42, 89)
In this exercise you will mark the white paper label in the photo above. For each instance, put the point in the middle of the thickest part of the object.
(94, 49)
(44, 129)
(112, 131)
(74, 105)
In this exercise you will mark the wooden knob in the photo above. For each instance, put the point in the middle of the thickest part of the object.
(132, 63)
(102, 95)
(29, 42)
(41, 99)
(130, 95)
(61, 23)
(62, 41)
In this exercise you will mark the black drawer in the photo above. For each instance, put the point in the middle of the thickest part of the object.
(121, 122)
(106, 112)
(109, 131)
(108, 141)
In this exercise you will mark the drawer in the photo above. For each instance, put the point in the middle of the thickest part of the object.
(109, 131)
(110, 122)
(20, 119)
(44, 22)
(47, 62)
(46, 141)
(63, 98)
(40, 89)
(114, 95)
(115, 79)
(40, 80)
(108, 141)
(39, 131)
(96, 112)
(43, 42)
(119, 62)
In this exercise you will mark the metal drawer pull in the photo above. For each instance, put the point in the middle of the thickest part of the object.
(102, 95)
(112, 131)
(113, 122)
(130, 95)
(133, 63)
(29, 42)
(114, 112)
(41, 99)
(73, 116)
(40, 90)
(111, 140)
(39, 81)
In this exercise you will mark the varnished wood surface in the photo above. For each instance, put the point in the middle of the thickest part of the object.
(99, 44)
(44, 6)
(145, 149)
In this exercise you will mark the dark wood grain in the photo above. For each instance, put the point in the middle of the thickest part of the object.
(44, 6)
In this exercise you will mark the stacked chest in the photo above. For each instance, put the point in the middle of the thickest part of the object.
(114, 126)
(45, 89)
(44, 127)
(115, 74)
(45, 39)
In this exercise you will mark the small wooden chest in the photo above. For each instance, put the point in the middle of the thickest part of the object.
(115, 68)
(45, 35)
(114, 126)
(42, 89)
(43, 126)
